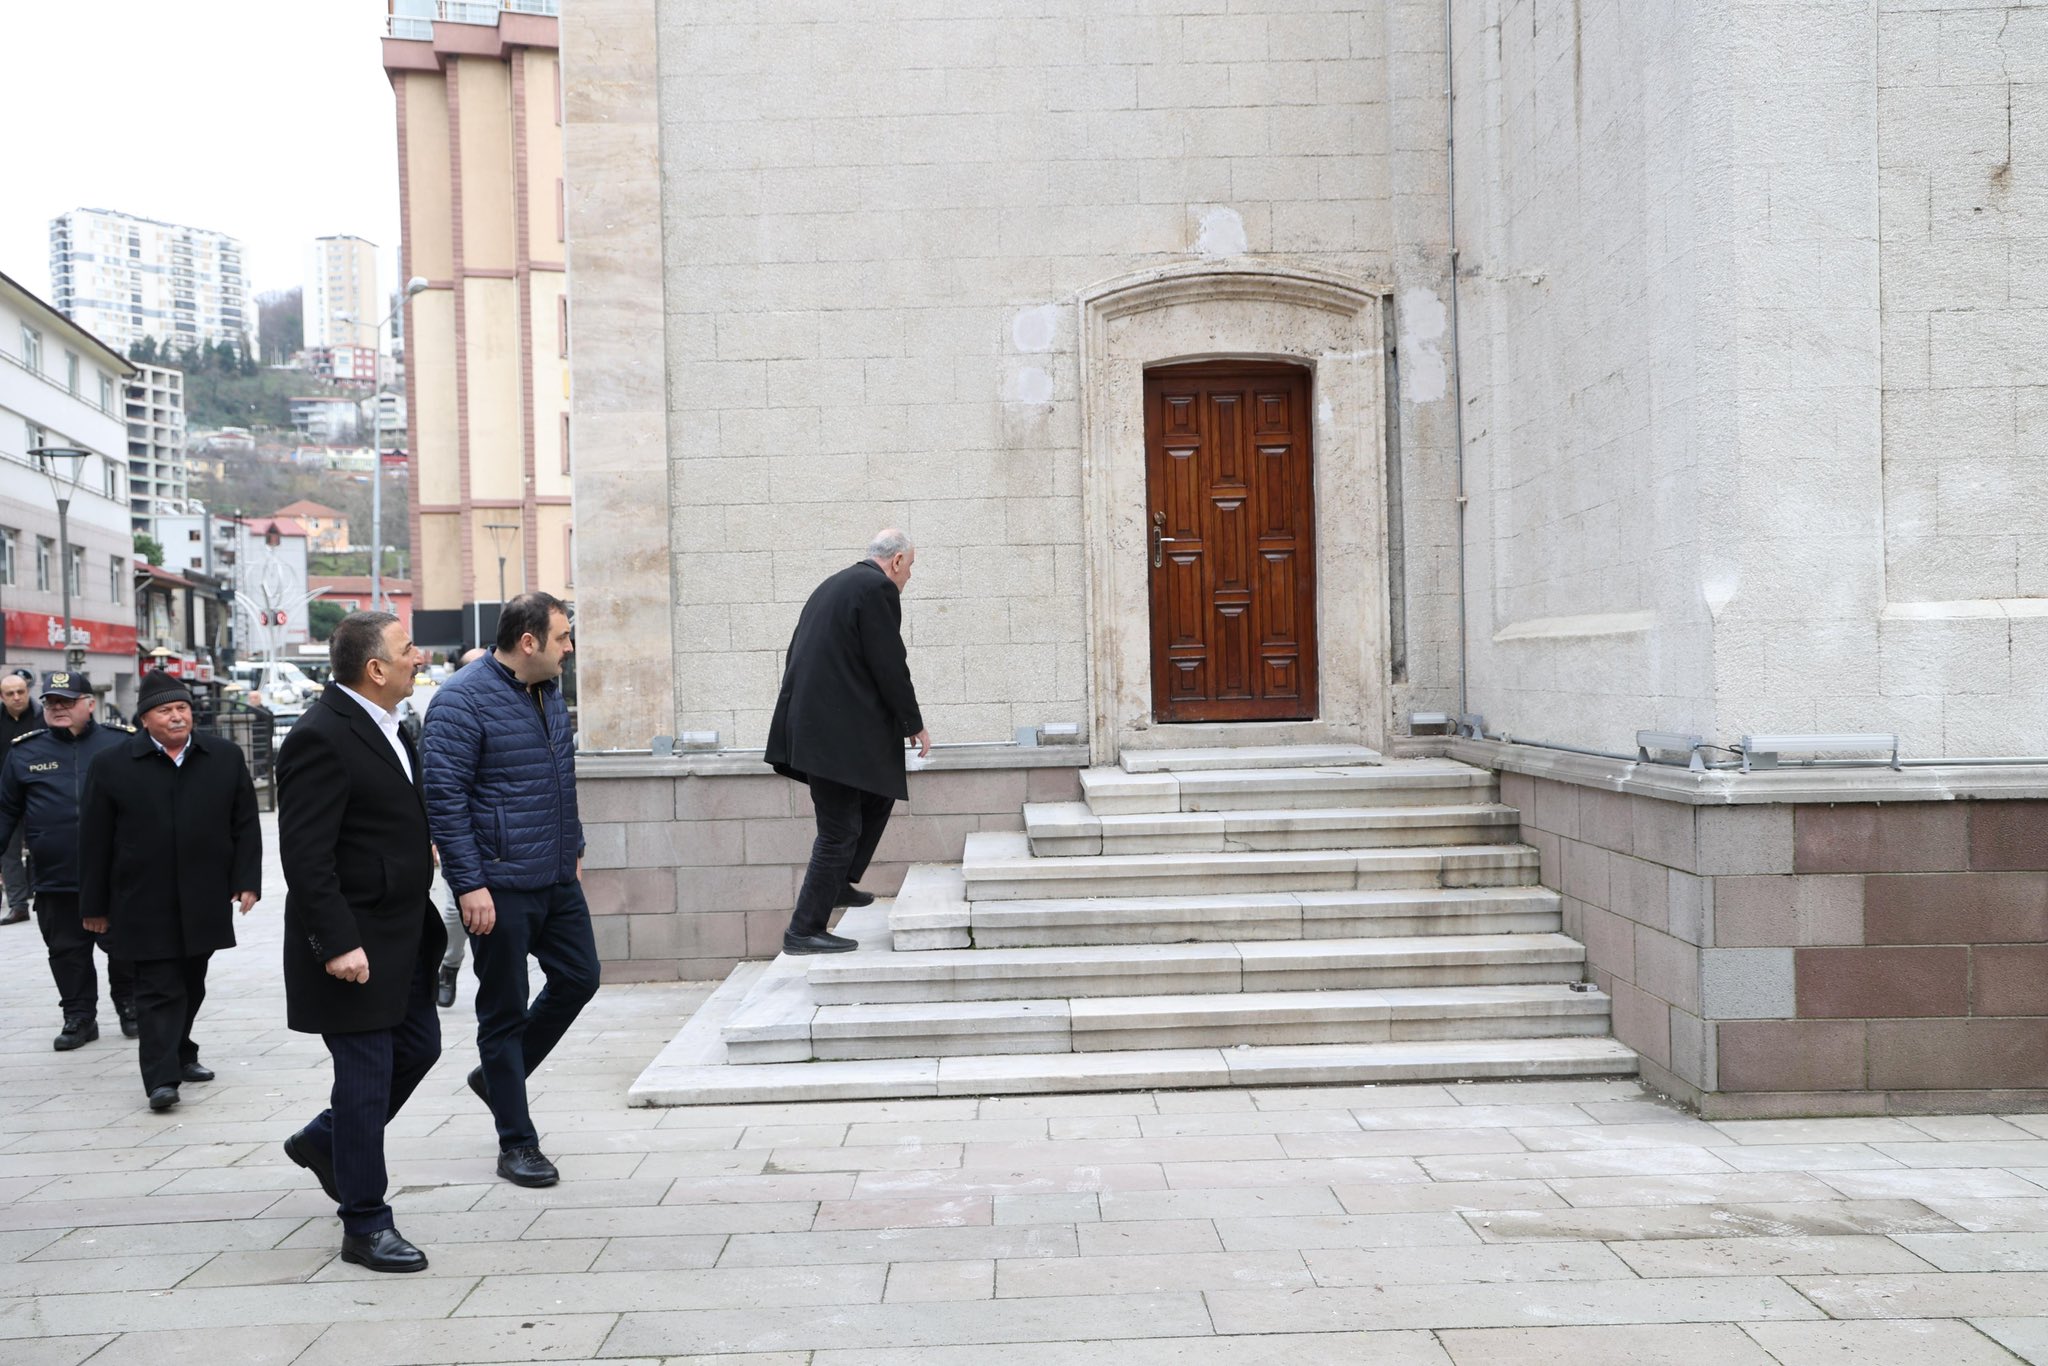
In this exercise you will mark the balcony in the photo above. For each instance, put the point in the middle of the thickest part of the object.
(417, 22)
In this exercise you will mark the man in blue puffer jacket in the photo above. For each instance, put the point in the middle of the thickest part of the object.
(500, 779)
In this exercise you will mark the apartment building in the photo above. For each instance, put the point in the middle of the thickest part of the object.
(122, 277)
(478, 93)
(342, 302)
(154, 402)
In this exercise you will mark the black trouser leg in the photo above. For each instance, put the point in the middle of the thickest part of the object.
(513, 1039)
(14, 872)
(165, 1005)
(850, 825)
(375, 1072)
(120, 982)
(70, 948)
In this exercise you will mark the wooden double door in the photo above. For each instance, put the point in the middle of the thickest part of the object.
(1230, 522)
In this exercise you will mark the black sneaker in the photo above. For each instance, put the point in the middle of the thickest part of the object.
(78, 1029)
(851, 895)
(130, 1025)
(526, 1167)
(444, 988)
(163, 1097)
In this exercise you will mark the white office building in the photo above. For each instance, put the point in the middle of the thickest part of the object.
(123, 278)
(60, 386)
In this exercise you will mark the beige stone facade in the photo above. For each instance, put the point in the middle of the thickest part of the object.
(481, 194)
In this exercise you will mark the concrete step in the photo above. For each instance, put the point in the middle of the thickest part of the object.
(1245, 756)
(1067, 829)
(684, 1075)
(1193, 969)
(998, 866)
(1266, 915)
(1118, 1024)
(1398, 782)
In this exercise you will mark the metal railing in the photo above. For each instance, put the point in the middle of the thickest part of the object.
(255, 733)
(419, 27)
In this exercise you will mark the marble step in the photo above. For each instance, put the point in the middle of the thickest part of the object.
(691, 1073)
(1193, 969)
(1244, 756)
(1067, 829)
(1398, 782)
(998, 866)
(1124, 1023)
(1267, 915)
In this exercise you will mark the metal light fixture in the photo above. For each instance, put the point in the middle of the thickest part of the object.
(1651, 742)
(1763, 751)
(63, 486)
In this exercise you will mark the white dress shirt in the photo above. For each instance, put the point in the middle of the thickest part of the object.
(386, 722)
(178, 759)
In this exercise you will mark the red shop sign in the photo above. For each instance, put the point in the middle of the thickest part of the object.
(41, 631)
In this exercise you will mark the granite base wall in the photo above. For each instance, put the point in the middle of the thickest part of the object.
(689, 875)
(1810, 957)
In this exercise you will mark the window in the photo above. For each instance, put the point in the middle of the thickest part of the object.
(46, 551)
(36, 437)
(32, 348)
(106, 393)
(117, 574)
(565, 443)
(113, 478)
(71, 372)
(562, 323)
(8, 535)
(193, 534)
(561, 213)
(568, 557)
(77, 575)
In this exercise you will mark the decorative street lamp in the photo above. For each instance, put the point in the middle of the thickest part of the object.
(413, 286)
(63, 485)
(500, 531)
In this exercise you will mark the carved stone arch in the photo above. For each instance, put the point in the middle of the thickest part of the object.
(1240, 309)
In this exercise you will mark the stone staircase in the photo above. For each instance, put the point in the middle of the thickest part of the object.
(1225, 917)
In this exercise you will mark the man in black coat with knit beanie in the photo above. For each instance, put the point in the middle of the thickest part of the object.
(168, 849)
(846, 709)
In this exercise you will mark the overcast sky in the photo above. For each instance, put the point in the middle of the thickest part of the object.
(268, 120)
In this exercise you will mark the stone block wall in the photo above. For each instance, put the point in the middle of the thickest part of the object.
(1810, 957)
(688, 874)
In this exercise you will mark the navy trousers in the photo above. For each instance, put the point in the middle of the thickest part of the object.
(71, 945)
(512, 1037)
(375, 1072)
(850, 825)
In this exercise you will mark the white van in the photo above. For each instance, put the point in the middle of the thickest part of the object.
(278, 683)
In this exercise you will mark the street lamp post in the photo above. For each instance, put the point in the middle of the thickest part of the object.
(62, 488)
(499, 531)
(413, 286)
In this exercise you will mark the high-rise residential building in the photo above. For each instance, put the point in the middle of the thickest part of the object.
(342, 303)
(157, 473)
(124, 278)
(478, 93)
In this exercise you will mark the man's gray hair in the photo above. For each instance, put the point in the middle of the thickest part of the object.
(887, 545)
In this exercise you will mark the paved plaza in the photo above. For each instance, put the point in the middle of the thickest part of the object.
(1577, 1222)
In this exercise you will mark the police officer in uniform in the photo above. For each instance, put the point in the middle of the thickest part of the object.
(42, 783)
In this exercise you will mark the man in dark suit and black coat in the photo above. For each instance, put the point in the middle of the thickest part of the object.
(846, 708)
(361, 936)
(167, 840)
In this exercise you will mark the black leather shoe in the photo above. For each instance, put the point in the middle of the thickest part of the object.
(192, 1071)
(301, 1151)
(163, 1097)
(130, 1026)
(526, 1167)
(444, 988)
(14, 917)
(476, 1084)
(78, 1029)
(854, 896)
(817, 943)
(383, 1250)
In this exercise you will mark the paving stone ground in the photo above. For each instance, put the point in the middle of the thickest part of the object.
(1510, 1223)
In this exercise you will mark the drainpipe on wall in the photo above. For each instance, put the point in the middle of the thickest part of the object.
(1457, 360)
